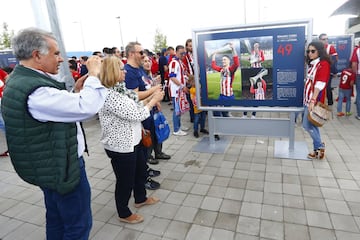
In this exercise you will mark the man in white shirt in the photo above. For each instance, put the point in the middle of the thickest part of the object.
(177, 84)
(44, 137)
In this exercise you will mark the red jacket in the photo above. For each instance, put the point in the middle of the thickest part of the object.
(3, 76)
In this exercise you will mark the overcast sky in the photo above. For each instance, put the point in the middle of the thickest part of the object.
(92, 24)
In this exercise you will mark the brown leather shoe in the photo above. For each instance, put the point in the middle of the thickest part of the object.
(318, 154)
(321, 153)
(312, 155)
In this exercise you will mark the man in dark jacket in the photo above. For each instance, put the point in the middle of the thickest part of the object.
(163, 69)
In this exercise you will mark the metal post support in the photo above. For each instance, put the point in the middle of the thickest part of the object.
(211, 127)
(292, 131)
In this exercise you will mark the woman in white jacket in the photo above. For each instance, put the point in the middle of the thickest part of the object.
(120, 120)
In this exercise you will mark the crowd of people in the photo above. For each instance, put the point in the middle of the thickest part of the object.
(125, 89)
(46, 141)
(146, 73)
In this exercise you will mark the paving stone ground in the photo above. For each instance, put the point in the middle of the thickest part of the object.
(244, 194)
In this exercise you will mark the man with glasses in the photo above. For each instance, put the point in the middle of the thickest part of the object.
(355, 65)
(134, 80)
(330, 49)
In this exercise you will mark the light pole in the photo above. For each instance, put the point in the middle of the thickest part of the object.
(82, 34)
(245, 11)
(121, 37)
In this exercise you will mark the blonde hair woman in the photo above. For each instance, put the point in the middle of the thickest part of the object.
(120, 120)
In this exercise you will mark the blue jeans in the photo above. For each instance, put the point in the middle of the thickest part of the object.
(358, 94)
(312, 130)
(224, 98)
(199, 118)
(176, 118)
(344, 93)
(69, 216)
(191, 111)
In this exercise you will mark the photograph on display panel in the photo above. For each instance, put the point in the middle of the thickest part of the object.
(222, 73)
(256, 60)
(257, 67)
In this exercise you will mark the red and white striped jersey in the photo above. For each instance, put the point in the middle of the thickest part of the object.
(226, 76)
(263, 87)
(347, 76)
(176, 70)
(256, 58)
(356, 58)
(318, 71)
(188, 62)
(330, 49)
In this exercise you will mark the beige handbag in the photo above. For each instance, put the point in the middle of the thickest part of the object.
(319, 115)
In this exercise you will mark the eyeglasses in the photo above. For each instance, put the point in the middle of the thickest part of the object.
(140, 52)
(183, 53)
(311, 51)
(324, 39)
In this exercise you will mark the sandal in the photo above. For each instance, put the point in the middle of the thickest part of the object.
(312, 155)
(132, 219)
(321, 153)
(318, 154)
(149, 201)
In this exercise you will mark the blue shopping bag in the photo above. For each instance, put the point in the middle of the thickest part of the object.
(162, 129)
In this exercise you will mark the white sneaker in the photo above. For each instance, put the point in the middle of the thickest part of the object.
(185, 128)
(180, 133)
(244, 116)
(253, 117)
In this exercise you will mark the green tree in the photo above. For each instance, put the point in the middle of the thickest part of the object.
(159, 41)
(5, 37)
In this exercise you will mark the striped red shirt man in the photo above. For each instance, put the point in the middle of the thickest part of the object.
(227, 73)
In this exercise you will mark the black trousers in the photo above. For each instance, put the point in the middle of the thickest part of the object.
(329, 93)
(130, 172)
(156, 146)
